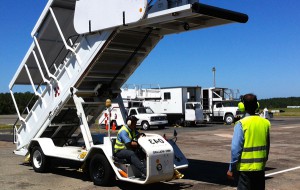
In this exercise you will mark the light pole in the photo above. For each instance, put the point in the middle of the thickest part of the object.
(214, 74)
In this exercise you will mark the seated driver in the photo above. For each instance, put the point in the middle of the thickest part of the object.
(126, 145)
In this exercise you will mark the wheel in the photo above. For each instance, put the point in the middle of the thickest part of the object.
(187, 123)
(145, 125)
(229, 119)
(186, 26)
(38, 160)
(100, 170)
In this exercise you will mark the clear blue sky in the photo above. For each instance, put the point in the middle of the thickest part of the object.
(261, 56)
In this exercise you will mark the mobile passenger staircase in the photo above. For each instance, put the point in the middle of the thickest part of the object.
(83, 51)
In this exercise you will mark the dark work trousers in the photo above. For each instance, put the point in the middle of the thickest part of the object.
(132, 158)
(251, 180)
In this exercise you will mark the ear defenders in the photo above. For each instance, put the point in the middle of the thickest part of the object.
(241, 105)
(131, 119)
(129, 123)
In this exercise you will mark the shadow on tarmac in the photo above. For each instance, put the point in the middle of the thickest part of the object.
(202, 171)
(198, 170)
(69, 168)
(6, 138)
(209, 172)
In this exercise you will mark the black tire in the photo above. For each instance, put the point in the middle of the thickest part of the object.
(229, 119)
(187, 124)
(145, 125)
(39, 160)
(100, 170)
(186, 26)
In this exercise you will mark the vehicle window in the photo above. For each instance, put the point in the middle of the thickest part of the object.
(189, 106)
(142, 110)
(227, 104)
(137, 104)
(149, 110)
(132, 112)
(217, 94)
(218, 105)
(167, 96)
(197, 106)
(230, 104)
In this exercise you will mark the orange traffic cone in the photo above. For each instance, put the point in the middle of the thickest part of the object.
(105, 121)
(114, 127)
(123, 174)
(106, 126)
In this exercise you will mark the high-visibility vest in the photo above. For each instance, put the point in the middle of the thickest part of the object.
(120, 145)
(254, 154)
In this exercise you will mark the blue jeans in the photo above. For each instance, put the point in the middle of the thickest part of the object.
(132, 158)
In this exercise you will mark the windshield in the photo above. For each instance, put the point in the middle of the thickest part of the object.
(193, 106)
(197, 106)
(230, 104)
(145, 110)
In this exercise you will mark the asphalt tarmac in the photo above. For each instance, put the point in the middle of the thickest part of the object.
(207, 148)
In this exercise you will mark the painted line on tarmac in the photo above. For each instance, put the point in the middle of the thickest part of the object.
(224, 135)
(282, 171)
(289, 127)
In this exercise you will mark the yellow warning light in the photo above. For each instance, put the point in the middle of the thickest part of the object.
(141, 10)
(82, 155)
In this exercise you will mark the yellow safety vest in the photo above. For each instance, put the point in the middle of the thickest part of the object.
(120, 145)
(254, 154)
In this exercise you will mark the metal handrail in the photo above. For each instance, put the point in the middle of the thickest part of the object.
(61, 50)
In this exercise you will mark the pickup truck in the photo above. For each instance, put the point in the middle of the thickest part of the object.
(148, 118)
(145, 115)
(223, 111)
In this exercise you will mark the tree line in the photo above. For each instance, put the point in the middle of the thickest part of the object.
(22, 99)
(279, 102)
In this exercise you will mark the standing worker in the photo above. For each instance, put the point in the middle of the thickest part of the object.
(250, 146)
(126, 144)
